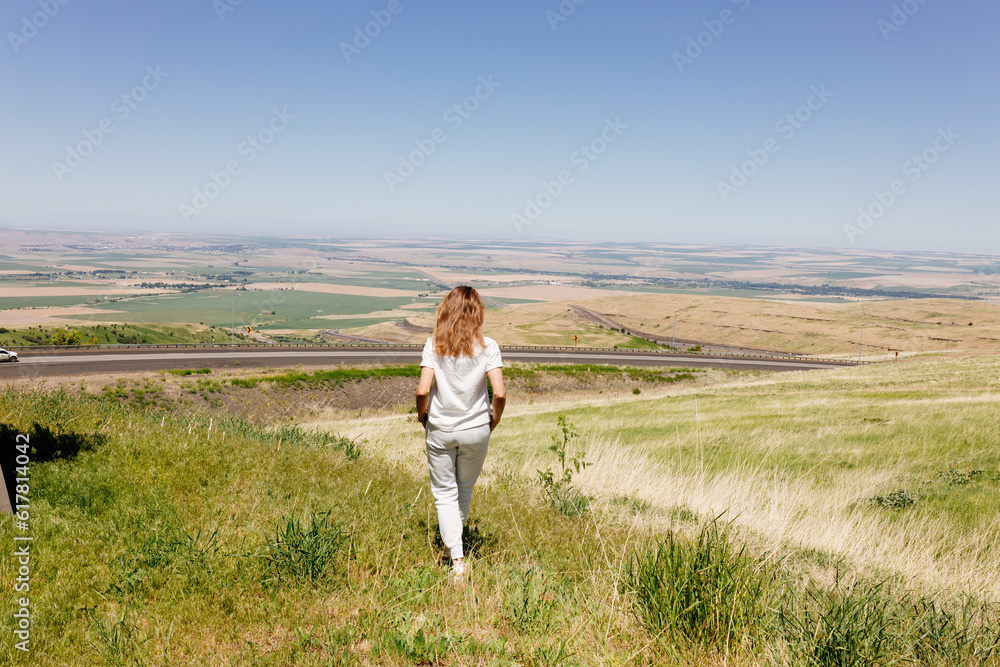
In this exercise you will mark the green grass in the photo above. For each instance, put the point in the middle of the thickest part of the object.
(333, 377)
(207, 540)
(594, 372)
(635, 343)
(389, 281)
(263, 546)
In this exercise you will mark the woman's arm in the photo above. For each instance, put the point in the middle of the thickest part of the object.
(424, 392)
(499, 395)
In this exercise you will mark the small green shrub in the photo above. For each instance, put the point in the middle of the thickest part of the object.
(683, 513)
(897, 500)
(961, 477)
(66, 337)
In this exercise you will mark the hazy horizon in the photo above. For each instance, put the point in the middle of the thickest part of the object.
(389, 240)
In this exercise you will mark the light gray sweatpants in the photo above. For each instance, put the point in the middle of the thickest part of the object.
(455, 459)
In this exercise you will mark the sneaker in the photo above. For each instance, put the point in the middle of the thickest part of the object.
(458, 571)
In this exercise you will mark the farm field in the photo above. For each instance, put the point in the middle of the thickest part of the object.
(284, 309)
(797, 300)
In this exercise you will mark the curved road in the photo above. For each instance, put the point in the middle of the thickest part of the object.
(110, 360)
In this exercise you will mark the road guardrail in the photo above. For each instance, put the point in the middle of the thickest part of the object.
(417, 346)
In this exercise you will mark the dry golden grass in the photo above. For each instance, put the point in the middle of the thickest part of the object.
(792, 460)
(910, 326)
(528, 324)
(24, 317)
(558, 292)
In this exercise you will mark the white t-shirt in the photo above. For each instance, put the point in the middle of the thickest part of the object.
(458, 398)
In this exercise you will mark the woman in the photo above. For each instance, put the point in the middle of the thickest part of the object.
(452, 405)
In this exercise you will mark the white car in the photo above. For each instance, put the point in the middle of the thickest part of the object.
(7, 356)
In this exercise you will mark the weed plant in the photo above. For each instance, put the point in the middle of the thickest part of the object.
(559, 492)
(897, 500)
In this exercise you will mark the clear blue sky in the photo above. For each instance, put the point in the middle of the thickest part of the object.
(673, 129)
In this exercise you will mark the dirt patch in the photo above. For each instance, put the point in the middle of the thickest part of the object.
(22, 317)
(415, 328)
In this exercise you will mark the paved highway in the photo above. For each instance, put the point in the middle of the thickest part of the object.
(43, 363)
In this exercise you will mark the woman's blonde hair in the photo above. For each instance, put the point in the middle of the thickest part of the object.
(459, 323)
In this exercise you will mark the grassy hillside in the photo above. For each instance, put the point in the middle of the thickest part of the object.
(922, 325)
(289, 396)
(805, 462)
(530, 324)
(116, 334)
(203, 539)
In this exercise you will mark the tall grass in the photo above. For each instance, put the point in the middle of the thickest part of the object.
(700, 590)
(840, 626)
(305, 547)
(704, 594)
